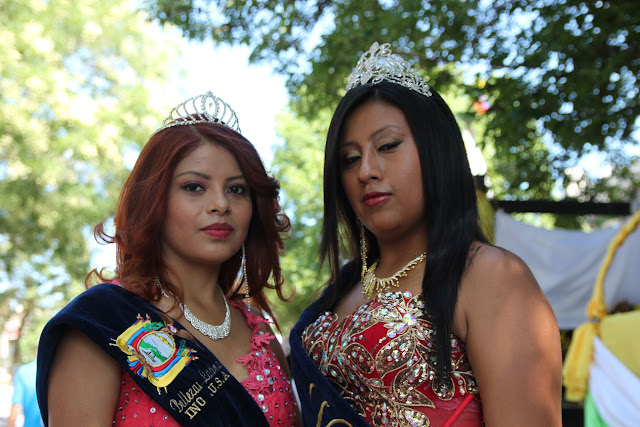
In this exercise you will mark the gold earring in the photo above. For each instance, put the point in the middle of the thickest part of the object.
(363, 251)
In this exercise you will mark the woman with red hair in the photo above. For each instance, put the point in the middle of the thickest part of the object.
(169, 340)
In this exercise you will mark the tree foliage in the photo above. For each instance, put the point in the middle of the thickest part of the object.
(74, 96)
(561, 76)
(298, 165)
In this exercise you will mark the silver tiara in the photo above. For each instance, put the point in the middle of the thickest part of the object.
(379, 64)
(202, 109)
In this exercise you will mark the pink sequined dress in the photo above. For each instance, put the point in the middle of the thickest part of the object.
(266, 383)
(380, 360)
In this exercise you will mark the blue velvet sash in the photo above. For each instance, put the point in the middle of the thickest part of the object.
(181, 375)
(321, 403)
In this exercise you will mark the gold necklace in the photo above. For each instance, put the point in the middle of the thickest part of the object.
(372, 285)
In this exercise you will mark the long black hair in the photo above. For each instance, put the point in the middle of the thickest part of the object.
(449, 196)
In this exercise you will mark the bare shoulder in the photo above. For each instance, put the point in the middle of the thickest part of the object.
(502, 267)
(512, 340)
(495, 274)
(499, 289)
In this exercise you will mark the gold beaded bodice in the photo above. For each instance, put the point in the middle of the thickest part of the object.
(380, 360)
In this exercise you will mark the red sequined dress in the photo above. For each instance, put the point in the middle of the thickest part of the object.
(380, 360)
(266, 383)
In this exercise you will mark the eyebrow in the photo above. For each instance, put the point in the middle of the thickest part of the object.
(208, 177)
(373, 135)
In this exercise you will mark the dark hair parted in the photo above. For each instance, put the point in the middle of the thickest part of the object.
(142, 208)
(449, 195)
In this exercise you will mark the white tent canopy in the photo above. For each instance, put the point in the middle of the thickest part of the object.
(566, 264)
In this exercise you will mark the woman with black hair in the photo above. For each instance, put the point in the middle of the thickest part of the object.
(423, 323)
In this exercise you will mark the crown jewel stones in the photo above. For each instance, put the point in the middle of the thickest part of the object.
(202, 109)
(379, 63)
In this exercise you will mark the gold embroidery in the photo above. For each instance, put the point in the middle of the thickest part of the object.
(324, 403)
(337, 421)
(380, 360)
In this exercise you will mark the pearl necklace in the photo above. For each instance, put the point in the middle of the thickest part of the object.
(371, 285)
(215, 332)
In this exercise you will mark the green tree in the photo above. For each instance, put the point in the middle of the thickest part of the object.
(298, 164)
(75, 82)
(561, 76)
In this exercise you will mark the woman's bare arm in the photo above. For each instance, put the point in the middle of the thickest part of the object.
(83, 384)
(513, 342)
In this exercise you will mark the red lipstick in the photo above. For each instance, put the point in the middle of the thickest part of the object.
(219, 230)
(375, 198)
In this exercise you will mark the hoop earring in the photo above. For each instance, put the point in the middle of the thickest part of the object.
(245, 277)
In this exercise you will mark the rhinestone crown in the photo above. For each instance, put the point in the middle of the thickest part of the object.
(379, 63)
(202, 109)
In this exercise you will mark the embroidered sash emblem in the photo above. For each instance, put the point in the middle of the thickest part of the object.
(152, 352)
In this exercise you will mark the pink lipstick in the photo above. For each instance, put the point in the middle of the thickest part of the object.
(375, 198)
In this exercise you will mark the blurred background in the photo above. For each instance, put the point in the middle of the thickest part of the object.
(545, 91)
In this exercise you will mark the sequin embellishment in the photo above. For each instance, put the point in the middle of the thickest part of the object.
(380, 360)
